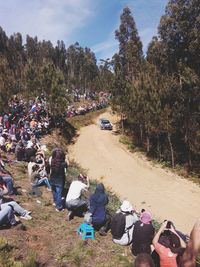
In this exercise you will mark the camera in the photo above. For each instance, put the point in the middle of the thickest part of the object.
(168, 226)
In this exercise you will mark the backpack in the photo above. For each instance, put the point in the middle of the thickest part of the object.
(118, 224)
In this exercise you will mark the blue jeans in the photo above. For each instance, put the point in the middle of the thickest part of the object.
(43, 181)
(57, 195)
(15, 206)
(9, 184)
(7, 216)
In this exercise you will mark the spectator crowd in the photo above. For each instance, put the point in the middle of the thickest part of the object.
(20, 133)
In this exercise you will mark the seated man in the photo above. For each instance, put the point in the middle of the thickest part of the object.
(74, 203)
(7, 217)
(4, 203)
(122, 224)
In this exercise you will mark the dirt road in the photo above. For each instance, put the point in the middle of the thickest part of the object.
(133, 178)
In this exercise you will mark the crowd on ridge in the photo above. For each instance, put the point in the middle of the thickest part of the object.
(20, 132)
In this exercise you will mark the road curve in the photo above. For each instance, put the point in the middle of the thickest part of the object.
(132, 177)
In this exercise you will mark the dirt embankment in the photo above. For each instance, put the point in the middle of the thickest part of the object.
(165, 194)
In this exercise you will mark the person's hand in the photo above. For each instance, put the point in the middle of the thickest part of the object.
(172, 228)
(4, 186)
(163, 225)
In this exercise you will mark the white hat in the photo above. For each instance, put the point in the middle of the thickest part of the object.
(126, 206)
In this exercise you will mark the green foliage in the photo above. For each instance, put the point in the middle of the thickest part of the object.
(159, 96)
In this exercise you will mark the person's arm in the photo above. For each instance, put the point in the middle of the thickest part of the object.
(87, 181)
(193, 247)
(172, 229)
(156, 237)
(67, 160)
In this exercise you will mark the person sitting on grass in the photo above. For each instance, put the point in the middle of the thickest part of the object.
(168, 244)
(100, 219)
(74, 203)
(7, 217)
(38, 178)
(143, 234)
(123, 224)
(4, 203)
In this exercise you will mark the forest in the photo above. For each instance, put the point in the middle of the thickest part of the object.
(157, 93)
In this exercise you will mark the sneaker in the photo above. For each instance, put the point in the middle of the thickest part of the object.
(26, 217)
(58, 210)
(28, 212)
(70, 216)
(49, 189)
(102, 232)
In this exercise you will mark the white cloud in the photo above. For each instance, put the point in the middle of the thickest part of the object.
(48, 19)
(146, 37)
(105, 49)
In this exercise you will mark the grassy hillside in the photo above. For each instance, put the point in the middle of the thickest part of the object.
(50, 240)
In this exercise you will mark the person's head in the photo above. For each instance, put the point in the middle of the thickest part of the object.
(170, 240)
(100, 188)
(58, 153)
(146, 217)
(126, 207)
(143, 260)
(35, 167)
(81, 177)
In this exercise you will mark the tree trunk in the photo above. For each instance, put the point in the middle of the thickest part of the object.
(141, 135)
(171, 150)
(148, 145)
(158, 148)
(188, 152)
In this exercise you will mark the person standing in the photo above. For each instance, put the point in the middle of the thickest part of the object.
(58, 165)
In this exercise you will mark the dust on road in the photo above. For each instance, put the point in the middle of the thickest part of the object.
(132, 177)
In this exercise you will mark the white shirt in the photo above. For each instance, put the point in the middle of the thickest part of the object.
(2, 141)
(30, 166)
(75, 190)
(29, 144)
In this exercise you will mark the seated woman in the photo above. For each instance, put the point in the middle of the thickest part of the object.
(99, 218)
(143, 234)
(39, 177)
(168, 244)
(130, 217)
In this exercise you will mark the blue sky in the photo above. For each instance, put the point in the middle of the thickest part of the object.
(90, 22)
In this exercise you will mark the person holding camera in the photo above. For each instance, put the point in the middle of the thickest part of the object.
(168, 244)
(74, 203)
